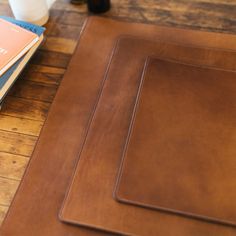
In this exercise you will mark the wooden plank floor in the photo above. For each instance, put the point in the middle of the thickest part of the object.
(26, 107)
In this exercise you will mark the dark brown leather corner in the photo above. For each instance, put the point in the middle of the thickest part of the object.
(89, 200)
(36, 206)
(180, 154)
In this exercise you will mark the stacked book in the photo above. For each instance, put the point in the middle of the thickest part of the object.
(18, 42)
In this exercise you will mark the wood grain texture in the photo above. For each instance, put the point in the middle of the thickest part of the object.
(12, 166)
(3, 211)
(33, 90)
(20, 125)
(45, 70)
(7, 190)
(62, 45)
(25, 108)
(16, 143)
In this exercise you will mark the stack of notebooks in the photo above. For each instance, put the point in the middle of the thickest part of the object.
(140, 138)
(18, 42)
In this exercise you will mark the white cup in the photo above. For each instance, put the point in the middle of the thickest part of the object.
(33, 11)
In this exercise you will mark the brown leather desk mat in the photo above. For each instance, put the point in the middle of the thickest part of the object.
(35, 208)
(89, 201)
(180, 153)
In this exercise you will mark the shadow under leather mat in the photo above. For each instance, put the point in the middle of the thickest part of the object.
(35, 208)
(89, 201)
(180, 150)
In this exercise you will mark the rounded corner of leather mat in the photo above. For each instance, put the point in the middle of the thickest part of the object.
(61, 216)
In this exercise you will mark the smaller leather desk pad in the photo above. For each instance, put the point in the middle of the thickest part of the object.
(89, 200)
(180, 152)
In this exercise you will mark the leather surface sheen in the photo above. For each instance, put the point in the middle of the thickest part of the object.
(89, 200)
(75, 117)
(180, 154)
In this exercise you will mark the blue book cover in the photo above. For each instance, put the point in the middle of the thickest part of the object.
(31, 27)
